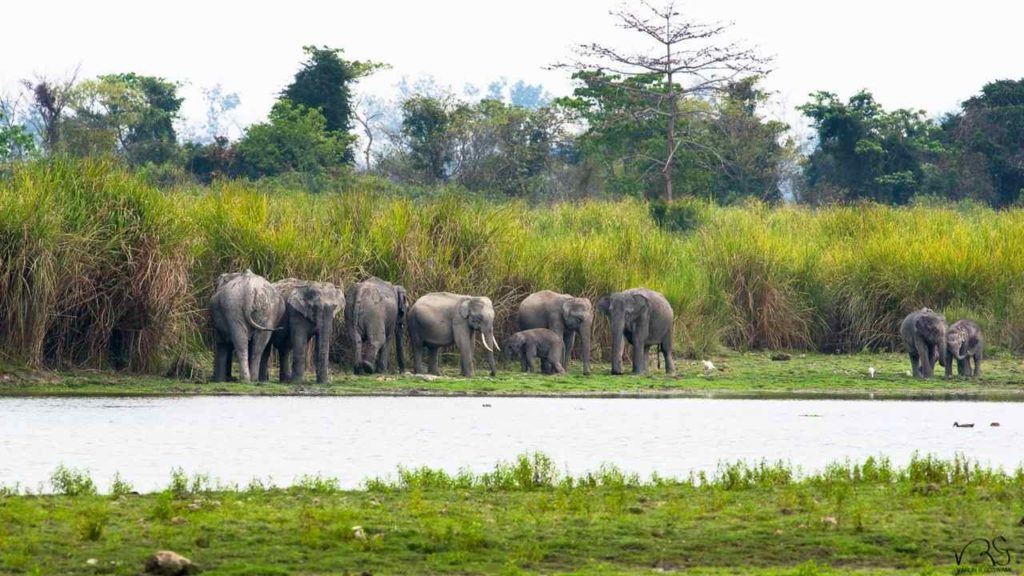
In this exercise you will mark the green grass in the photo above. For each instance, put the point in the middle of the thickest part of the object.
(525, 517)
(100, 270)
(752, 374)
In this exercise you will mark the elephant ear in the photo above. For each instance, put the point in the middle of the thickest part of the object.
(335, 296)
(403, 300)
(640, 304)
(305, 300)
(604, 305)
(566, 308)
(464, 308)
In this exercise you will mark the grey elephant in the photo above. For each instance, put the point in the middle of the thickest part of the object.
(310, 308)
(375, 313)
(245, 310)
(964, 343)
(442, 319)
(537, 342)
(924, 336)
(643, 318)
(565, 315)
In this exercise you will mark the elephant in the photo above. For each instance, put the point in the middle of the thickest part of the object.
(310, 308)
(565, 315)
(245, 310)
(375, 313)
(528, 344)
(924, 336)
(964, 343)
(441, 319)
(643, 318)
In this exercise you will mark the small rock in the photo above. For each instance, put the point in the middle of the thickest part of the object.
(778, 532)
(427, 377)
(177, 520)
(780, 357)
(358, 533)
(167, 563)
(830, 521)
(92, 561)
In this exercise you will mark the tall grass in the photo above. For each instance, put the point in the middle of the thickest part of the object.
(99, 269)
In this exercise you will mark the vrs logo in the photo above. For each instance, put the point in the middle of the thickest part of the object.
(983, 556)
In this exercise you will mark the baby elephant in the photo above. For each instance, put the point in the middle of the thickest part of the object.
(964, 342)
(529, 344)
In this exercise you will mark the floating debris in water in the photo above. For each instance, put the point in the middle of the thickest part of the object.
(964, 425)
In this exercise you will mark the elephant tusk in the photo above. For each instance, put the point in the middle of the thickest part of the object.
(495, 342)
(484, 340)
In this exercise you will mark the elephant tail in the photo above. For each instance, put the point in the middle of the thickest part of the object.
(248, 314)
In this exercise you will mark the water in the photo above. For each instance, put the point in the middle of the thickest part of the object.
(281, 438)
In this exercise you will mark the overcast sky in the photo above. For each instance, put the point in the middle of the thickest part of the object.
(920, 54)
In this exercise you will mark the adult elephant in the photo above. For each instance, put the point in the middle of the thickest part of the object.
(245, 310)
(310, 308)
(375, 312)
(924, 336)
(563, 314)
(643, 318)
(442, 319)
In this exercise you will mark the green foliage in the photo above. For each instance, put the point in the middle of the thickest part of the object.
(296, 139)
(866, 153)
(120, 487)
(72, 482)
(324, 83)
(16, 143)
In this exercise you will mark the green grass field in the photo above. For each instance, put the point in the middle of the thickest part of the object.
(735, 375)
(525, 518)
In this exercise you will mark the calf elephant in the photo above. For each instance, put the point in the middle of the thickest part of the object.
(310, 308)
(563, 314)
(643, 318)
(375, 314)
(442, 319)
(537, 342)
(245, 310)
(964, 343)
(924, 336)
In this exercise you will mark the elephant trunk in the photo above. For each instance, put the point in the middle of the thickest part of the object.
(399, 347)
(324, 333)
(618, 344)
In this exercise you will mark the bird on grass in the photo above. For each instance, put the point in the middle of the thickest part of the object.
(871, 371)
(709, 367)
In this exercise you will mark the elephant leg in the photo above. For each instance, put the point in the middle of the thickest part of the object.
(240, 342)
(417, 358)
(530, 352)
(284, 366)
(260, 342)
(639, 357)
(977, 364)
(221, 361)
(357, 352)
(491, 364)
(464, 343)
(372, 353)
(432, 361)
(924, 358)
(265, 363)
(300, 339)
(914, 363)
(568, 341)
(666, 351)
(524, 364)
(949, 365)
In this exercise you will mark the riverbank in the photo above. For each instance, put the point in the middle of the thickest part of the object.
(525, 517)
(749, 375)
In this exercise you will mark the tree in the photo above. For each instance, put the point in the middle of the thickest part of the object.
(136, 112)
(50, 100)
(988, 135)
(427, 125)
(296, 139)
(16, 141)
(689, 59)
(865, 152)
(325, 83)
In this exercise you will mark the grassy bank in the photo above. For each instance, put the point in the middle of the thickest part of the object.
(98, 270)
(525, 517)
(752, 374)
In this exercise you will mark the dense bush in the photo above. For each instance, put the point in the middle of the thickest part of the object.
(98, 268)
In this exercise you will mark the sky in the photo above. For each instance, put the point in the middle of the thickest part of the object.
(919, 54)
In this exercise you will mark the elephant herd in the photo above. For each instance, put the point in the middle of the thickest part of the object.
(928, 340)
(252, 316)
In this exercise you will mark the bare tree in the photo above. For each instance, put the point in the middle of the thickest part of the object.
(367, 113)
(691, 58)
(50, 98)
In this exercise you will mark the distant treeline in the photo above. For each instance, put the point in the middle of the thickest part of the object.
(100, 268)
(606, 140)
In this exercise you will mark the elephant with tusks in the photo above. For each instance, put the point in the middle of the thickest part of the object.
(441, 319)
